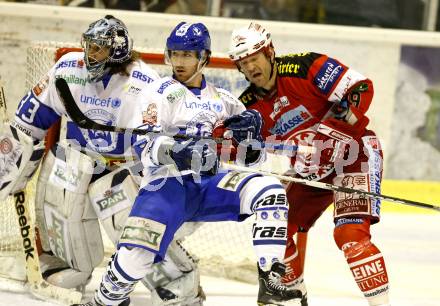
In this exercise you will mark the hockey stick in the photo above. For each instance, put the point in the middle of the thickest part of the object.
(37, 285)
(320, 185)
(79, 118)
(84, 122)
(3, 109)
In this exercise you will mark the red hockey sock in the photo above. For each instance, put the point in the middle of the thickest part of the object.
(365, 261)
(292, 260)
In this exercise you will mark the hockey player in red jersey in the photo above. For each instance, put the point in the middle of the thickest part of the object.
(319, 104)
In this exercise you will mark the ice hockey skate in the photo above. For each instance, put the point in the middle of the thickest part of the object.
(272, 291)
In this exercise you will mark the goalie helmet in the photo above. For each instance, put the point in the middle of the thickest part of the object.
(108, 33)
(189, 37)
(248, 41)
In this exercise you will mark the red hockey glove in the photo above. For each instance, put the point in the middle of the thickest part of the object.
(227, 148)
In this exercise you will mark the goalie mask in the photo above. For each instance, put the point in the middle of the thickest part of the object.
(190, 37)
(105, 41)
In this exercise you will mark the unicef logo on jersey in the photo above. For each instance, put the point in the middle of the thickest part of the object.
(100, 141)
(200, 105)
(96, 101)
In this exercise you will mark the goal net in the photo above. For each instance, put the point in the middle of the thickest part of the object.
(223, 248)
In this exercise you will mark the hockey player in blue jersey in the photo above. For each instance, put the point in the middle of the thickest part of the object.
(106, 81)
(182, 183)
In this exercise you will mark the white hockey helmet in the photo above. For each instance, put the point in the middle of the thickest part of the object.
(249, 40)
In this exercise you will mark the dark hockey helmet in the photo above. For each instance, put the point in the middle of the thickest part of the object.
(190, 37)
(108, 34)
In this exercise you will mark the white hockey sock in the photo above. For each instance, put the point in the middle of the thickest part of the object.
(123, 272)
(267, 199)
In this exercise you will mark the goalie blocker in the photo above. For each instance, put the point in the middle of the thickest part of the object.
(20, 156)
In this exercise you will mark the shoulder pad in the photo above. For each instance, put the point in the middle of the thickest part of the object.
(248, 97)
(296, 65)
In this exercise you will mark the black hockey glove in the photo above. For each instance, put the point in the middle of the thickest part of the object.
(245, 126)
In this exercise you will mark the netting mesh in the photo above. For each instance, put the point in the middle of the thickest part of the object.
(224, 249)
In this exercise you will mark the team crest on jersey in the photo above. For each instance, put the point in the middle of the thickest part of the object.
(201, 124)
(100, 141)
(150, 115)
(41, 85)
(304, 164)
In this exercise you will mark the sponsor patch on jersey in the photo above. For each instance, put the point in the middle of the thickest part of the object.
(176, 95)
(97, 101)
(278, 105)
(165, 84)
(248, 98)
(141, 76)
(41, 85)
(296, 65)
(111, 202)
(290, 120)
(349, 203)
(21, 128)
(328, 75)
(342, 221)
(70, 64)
(65, 176)
(150, 115)
(211, 105)
(131, 90)
(375, 163)
(57, 232)
(73, 79)
(143, 232)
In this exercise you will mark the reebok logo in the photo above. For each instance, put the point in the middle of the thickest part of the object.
(20, 198)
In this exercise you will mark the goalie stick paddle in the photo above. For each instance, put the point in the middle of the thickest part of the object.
(84, 122)
(326, 186)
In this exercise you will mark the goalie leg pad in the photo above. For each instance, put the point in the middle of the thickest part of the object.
(20, 156)
(68, 221)
(183, 291)
(175, 280)
(364, 259)
(112, 197)
(58, 273)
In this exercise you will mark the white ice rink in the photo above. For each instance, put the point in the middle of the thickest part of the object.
(410, 244)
